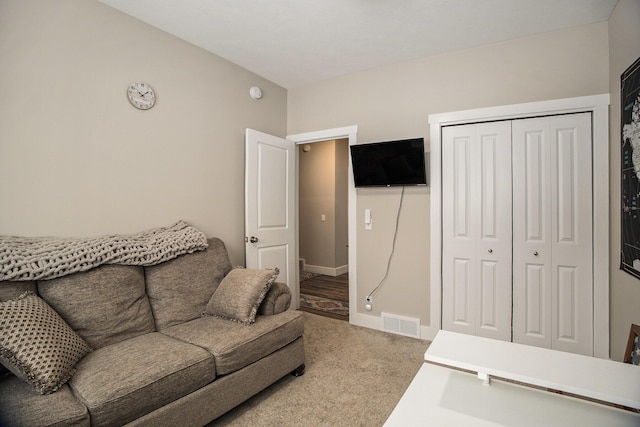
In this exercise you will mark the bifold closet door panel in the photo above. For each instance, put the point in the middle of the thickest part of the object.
(476, 165)
(552, 233)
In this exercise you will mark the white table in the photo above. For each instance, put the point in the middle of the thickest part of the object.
(605, 380)
(446, 396)
(440, 396)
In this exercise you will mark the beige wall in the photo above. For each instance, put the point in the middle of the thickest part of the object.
(395, 101)
(624, 49)
(323, 189)
(76, 159)
(317, 198)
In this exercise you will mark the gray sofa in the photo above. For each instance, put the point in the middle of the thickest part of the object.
(156, 359)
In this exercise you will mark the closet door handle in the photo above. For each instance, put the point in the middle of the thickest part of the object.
(535, 253)
(490, 251)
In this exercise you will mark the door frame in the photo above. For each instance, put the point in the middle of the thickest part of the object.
(350, 133)
(598, 106)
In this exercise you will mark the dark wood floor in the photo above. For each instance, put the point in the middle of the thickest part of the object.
(335, 288)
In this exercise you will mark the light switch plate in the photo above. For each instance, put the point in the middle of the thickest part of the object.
(368, 223)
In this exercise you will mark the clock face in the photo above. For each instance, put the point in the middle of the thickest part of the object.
(141, 95)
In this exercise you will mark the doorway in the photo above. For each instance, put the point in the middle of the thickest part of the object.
(323, 227)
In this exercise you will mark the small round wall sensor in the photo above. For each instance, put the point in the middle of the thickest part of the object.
(255, 92)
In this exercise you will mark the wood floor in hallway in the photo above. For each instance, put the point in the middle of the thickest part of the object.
(327, 287)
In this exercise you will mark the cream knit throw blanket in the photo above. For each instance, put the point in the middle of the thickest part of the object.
(36, 258)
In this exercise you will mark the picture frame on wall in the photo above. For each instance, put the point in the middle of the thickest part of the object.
(630, 169)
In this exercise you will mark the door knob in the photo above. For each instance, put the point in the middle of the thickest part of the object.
(490, 251)
(535, 253)
(253, 239)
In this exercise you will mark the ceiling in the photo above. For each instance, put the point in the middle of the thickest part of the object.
(296, 42)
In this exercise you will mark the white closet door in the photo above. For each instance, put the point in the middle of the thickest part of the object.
(476, 249)
(552, 233)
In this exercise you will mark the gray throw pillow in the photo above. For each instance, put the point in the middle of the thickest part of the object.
(240, 293)
(37, 345)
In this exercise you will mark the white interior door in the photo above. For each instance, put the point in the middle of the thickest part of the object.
(270, 186)
(476, 253)
(553, 233)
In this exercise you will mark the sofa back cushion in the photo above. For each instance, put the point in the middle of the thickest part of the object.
(12, 290)
(180, 289)
(104, 305)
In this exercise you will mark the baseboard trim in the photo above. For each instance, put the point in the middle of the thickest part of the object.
(327, 271)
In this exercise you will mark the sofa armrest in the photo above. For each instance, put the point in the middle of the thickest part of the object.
(277, 300)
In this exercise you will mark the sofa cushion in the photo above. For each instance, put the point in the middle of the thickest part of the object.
(234, 345)
(37, 345)
(240, 293)
(116, 295)
(21, 405)
(126, 380)
(180, 289)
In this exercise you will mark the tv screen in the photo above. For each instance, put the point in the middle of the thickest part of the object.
(389, 163)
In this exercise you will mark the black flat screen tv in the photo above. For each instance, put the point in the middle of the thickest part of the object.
(389, 163)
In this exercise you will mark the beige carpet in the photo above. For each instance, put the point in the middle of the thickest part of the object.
(354, 377)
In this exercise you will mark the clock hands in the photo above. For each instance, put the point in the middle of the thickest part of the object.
(141, 96)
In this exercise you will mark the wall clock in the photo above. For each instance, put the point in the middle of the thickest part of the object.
(141, 95)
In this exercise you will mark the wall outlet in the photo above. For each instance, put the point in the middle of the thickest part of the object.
(368, 303)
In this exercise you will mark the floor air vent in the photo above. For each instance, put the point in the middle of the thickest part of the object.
(401, 325)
